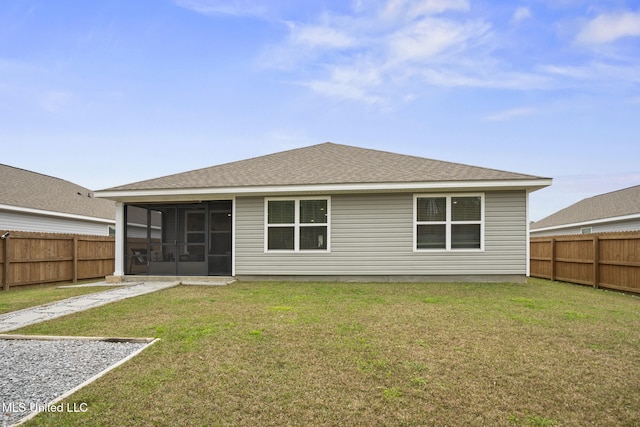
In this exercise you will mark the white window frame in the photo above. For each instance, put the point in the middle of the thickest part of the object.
(296, 225)
(448, 222)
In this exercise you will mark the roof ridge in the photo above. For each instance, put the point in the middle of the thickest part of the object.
(39, 173)
(598, 207)
(261, 156)
(325, 163)
(611, 192)
(427, 158)
(34, 190)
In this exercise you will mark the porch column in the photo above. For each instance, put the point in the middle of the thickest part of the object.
(120, 226)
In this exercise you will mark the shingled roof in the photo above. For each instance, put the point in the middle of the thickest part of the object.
(326, 163)
(25, 189)
(609, 205)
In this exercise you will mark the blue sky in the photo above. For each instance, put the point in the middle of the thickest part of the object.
(103, 93)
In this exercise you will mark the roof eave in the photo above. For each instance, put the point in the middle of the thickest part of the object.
(587, 223)
(63, 215)
(196, 194)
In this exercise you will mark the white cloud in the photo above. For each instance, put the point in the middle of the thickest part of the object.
(384, 49)
(344, 90)
(509, 114)
(596, 71)
(366, 55)
(432, 36)
(223, 7)
(522, 13)
(319, 36)
(607, 28)
(412, 9)
(353, 82)
(573, 72)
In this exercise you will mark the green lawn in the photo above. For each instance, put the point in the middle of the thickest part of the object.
(18, 298)
(304, 354)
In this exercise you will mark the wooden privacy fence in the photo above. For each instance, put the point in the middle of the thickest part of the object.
(36, 258)
(607, 260)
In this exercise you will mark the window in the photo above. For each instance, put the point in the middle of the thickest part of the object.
(297, 224)
(585, 230)
(449, 222)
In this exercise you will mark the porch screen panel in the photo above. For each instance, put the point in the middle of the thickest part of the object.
(136, 250)
(220, 237)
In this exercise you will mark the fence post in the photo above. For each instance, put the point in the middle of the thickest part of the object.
(75, 259)
(596, 261)
(553, 259)
(5, 284)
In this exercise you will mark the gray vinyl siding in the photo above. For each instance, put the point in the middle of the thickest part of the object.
(372, 234)
(603, 227)
(50, 224)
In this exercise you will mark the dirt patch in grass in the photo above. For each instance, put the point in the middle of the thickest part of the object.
(544, 353)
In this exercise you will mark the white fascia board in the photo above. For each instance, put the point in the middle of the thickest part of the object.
(204, 193)
(56, 214)
(588, 223)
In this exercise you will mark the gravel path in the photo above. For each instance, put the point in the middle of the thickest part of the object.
(35, 372)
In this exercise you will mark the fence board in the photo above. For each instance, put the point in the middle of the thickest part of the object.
(4, 275)
(37, 258)
(608, 260)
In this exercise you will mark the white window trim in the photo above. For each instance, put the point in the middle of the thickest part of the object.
(448, 221)
(296, 225)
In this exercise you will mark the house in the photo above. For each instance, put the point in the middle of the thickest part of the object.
(30, 201)
(328, 211)
(614, 211)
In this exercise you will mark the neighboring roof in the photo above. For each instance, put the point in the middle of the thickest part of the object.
(323, 164)
(616, 204)
(25, 190)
